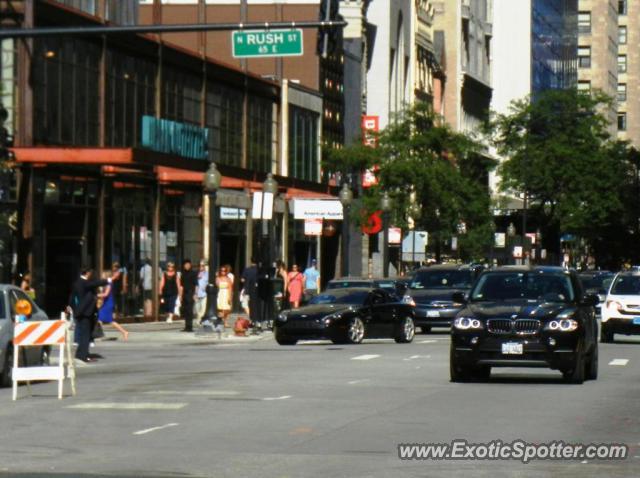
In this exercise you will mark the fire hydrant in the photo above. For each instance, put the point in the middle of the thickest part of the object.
(241, 327)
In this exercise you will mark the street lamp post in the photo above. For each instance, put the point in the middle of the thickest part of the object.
(346, 197)
(539, 246)
(269, 187)
(511, 233)
(211, 184)
(385, 205)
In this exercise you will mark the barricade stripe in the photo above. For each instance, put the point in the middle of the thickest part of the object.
(53, 327)
(25, 333)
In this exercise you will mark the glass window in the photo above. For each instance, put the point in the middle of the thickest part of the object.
(622, 7)
(626, 285)
(65, 80)
(224, 120)
(622, 63)
(622, 121)
(303, 143)
(261, 153)
(181, 96)
(622, 35)
(584, 22)
(622, 92)
(584, 86)
(584, 56)
(341, 296)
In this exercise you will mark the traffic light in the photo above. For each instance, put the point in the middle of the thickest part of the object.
(328, 37)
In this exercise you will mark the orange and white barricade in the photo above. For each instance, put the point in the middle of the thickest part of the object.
(41, 334)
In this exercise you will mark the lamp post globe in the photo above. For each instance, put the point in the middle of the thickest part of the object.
(270, 185)
(212, 179)
(385, 202)
(346, 195)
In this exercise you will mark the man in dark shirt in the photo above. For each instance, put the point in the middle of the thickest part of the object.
(84, 300)
(189, 281)
(250, 284)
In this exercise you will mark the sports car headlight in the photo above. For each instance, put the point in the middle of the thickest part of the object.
(282, 317)
(330, 318)
(407, 299)
(466, 323)
(562, 325)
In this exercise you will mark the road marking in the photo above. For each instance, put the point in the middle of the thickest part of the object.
(365, 357)
(283, 397)
(128, 406)
(619, 362)
(149, 430)
(413, 357)
(428, 342)
(194, 393)
(355, 382)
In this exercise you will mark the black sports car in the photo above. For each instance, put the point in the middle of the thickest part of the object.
(347, 316)
(526, 317)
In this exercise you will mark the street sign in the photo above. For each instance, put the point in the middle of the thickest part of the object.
(265, 43)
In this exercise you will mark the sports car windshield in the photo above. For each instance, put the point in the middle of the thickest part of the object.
(501, 286)
(626, 285)
(341, 296)
(453, 279)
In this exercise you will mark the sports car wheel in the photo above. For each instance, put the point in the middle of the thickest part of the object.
(406, 331)
(355, 332)
(283, 339)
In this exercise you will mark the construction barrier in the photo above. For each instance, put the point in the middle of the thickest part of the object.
(41, 334)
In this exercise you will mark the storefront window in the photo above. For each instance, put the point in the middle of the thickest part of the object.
(131, 92)
(262, 144)
(303, 144)
(224, 120)
(65, 87)
(180, 96)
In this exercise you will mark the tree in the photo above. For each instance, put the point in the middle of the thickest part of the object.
(559, 152)
(446, 171)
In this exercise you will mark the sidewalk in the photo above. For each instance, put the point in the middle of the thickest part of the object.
(173, 332)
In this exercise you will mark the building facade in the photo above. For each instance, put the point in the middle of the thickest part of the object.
(628, 88)
(112, 136)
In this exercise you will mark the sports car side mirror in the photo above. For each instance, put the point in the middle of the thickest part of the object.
(459, 298)
(590, 300)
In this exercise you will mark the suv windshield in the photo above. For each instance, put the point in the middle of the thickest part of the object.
(500, 286)
(626, 285)
(443, 279)
(341, 296)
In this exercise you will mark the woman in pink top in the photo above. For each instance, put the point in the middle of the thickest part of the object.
(296, 286)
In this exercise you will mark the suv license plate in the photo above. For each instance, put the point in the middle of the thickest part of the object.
(433, 313)
(512, 348)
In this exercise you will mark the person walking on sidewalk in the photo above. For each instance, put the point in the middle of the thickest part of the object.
(311, 281)
(170, 288)
(189, 280)
(83, 303)
(107, 310)
(296, 281)
(201, 294)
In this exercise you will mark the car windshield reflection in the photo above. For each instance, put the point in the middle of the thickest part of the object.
(626, 285)
(534, 286)
(341, 297)
(454, 279)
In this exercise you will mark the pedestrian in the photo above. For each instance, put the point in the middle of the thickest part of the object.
(225, 295)
(249, 281)
(189, 281)
(118, 287)
(106, 312)
(25, 285)
(83, 303)
(281, 271)
(146, 287)
(312, 281)
(170, 291)
(230, 273)
(201, 293)
(296, 284)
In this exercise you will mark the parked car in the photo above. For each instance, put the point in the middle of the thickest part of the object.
(597, 282)
(620, 313)
(525, 317)
(347, 316)
(431, 290)
(9, 296)
(392, 285)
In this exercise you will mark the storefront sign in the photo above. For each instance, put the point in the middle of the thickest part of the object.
(317, 209)
(395, 235)
(232, 214)
(517, 252)
(172, 137)
(370, 127)
(499, 239)
(373, 224)
(313, 227)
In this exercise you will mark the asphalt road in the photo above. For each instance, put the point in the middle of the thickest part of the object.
(170, 405)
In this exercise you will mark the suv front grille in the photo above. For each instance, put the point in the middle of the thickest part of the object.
(507, 326)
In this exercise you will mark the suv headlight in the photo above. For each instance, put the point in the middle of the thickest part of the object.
(562, 325)
(407, 299)
(467, 323)
(614, 305)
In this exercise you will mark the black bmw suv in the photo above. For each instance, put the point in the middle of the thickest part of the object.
(525, 317)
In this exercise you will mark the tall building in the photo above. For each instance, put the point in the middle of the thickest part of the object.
(467, 32)
(598, 38)
(628, 88)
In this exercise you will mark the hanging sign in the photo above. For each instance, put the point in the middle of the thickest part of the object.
(313, 227)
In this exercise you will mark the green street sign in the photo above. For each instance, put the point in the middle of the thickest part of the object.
(264, 43)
